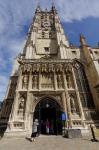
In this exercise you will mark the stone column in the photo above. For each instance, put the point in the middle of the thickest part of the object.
(64, 102)
(31, 114)
(78, 98)
(28, 99)
(27, 110)
(68, 99)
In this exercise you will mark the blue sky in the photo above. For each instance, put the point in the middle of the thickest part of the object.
(16, 15)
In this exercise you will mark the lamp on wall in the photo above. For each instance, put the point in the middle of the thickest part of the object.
(47, 105)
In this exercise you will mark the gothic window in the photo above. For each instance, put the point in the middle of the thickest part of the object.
(96, 52)
(46, 49)
(83, 86)
(74, 52)
(47, 80)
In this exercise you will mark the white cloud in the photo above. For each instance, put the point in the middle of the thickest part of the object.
(14, 14)
(73, 9)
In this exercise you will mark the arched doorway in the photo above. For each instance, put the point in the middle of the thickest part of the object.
(49, 109)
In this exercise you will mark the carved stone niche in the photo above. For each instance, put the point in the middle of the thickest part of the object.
(21, 105)
(59, 80)
(73, 104)
(51, 67)
(27, 68)
(44, 67)
(47, 81)
(36, 67)
(25, 80)
(59, 67)
(35, 80)
(69, 77)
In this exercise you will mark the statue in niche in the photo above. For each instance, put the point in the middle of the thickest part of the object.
(69, 80)
(59, 81)
(11, 92)
(35, 81)
(21, 104)
(25, 81)
(27, 68)
(73, 105)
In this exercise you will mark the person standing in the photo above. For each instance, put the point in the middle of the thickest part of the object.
(93, 134)
(47, 126)
(34, 130)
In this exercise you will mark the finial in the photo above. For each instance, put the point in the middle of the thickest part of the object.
(53, 3)
(53, 6)
(38, 9)
(82, 40)
(38, 3)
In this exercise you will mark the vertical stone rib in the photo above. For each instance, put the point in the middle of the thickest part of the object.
(67, 101)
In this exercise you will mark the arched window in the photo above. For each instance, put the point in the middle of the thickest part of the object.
(83, 86)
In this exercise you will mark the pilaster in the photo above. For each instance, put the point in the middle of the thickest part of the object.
(15, 106)
(67, 100)
(27, 110)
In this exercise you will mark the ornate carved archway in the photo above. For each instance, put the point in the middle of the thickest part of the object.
(56, 99)
(49, 109)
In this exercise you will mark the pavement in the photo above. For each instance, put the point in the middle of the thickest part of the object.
(48, 143)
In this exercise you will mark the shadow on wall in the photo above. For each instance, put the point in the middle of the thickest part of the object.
(6, 106)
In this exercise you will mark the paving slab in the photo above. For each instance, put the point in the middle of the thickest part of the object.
(48, 143)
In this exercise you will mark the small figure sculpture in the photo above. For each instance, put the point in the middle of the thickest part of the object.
(25, 81)
(35, 81)
(21, 104)
(69, 80)
(59, 81)
(73, 106)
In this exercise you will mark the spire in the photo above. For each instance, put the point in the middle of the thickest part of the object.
(53, 9)
(38, 9)
(83, 40)
(53, 2)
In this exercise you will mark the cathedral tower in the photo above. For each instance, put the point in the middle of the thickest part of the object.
(49, 79)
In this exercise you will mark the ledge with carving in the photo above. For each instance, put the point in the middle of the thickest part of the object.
(53, 65)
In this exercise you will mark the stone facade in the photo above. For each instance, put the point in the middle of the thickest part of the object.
(50, 68)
